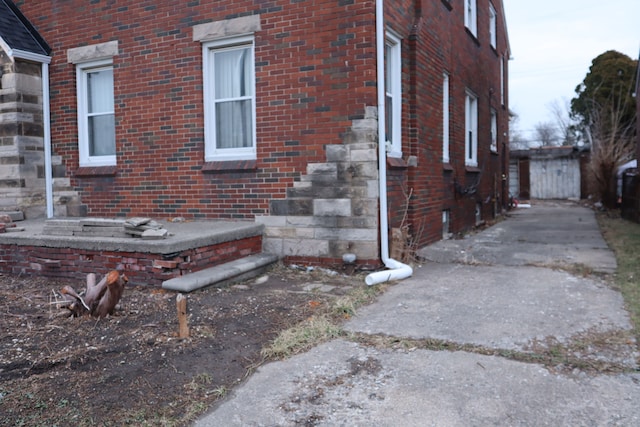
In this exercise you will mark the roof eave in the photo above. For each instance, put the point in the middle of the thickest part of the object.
(23, 54)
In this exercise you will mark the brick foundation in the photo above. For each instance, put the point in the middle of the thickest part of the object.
(140, 268)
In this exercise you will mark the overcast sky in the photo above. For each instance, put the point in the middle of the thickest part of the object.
(552, 45)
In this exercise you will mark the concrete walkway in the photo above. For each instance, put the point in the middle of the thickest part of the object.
(464, 338)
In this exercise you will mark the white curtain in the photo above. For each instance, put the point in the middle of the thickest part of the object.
(233, 92)
(101, 120)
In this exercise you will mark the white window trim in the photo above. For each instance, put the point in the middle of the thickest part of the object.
(445, 118)
(502, 63)
(394, 147)
(471, 16)
(85, 159)
(471, 130)
(493, 26)
(494, 131)
(211, 153)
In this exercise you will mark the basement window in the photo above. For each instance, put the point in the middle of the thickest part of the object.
(446, 224)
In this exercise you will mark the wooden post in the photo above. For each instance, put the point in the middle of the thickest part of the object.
(181, 305)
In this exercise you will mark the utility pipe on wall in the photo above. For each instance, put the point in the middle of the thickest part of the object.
(46, 115)
(397, 270)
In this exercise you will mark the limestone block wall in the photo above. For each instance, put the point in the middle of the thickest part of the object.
(333, 209)
(22, 177)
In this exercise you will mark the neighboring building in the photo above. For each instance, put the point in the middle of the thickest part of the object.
(549, 173)
(267, 112)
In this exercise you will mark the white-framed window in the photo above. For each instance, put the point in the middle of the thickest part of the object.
(471, 16)
(502, 79)
(96, 113)
(471, 130)
(393, 94)
(229, 99)
(445, 118)
(493, 26)
(494, 131)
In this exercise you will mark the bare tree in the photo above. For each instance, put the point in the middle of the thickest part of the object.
(516, 140)
(612, 140)
(566, 127)
(606, 112)
(547, 134)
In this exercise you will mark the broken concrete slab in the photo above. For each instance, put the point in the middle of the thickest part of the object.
(154, 234)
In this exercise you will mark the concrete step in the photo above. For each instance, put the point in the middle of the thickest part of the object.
(14, 215)
(223, 274)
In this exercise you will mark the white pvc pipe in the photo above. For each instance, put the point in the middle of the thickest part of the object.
(46, 116)
(397, 270)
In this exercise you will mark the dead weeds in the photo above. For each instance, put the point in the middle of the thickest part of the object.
(131, 368)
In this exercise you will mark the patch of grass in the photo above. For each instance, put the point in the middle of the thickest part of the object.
(345, 307)
(623, 238)
(310, 332)
(198, 382)
(219, 392)
(323, 325)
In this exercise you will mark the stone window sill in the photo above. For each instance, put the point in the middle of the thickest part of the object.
(228, 166)
(396, 163)
(91, 171)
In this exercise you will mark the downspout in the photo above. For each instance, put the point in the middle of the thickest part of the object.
(46, 117)
(396, 270)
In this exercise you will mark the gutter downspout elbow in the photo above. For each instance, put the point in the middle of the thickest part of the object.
(397, 270)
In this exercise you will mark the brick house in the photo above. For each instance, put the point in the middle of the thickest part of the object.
(264, 111)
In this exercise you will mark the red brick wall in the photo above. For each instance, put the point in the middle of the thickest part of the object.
(315, 73)
(437, 42)
(140, 268)
(311, 82)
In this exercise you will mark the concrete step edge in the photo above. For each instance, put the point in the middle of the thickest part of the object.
(222, 274)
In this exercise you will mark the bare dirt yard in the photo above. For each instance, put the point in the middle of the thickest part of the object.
(131, 368)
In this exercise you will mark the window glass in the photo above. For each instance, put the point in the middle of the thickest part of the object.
(492, 26)
(470, 16)
(445, 118)
(100, 116)
(471, 127)
(393, 95)
(494, 131)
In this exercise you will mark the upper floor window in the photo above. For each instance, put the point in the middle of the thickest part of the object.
(445, 118)
(229, 101)
(471, 130)
(393, 95)
(96, 115)
(493, 26)
(502, 64)
(471, 16)
(494, 131)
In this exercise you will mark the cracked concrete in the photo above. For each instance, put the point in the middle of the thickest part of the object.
(491, 297)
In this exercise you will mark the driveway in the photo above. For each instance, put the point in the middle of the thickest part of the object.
(514, 326)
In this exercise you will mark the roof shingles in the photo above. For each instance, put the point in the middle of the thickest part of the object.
(17, 31)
